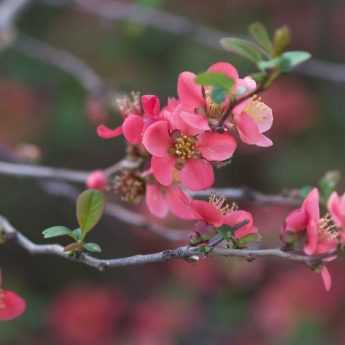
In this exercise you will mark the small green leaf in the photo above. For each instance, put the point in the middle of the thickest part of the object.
(92, 247)
(241, 47)
(76, 233)
(248, 239)
(304, 191)
(56, 231)
(261, 36)
(328, 184)
(291, 59)
(219, 80)
(90, 207)
(281, 40)
(218, 95)
(226, 232)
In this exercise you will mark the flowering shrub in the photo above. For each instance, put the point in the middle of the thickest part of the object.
(173, 149)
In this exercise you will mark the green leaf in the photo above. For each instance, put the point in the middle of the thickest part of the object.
(281, 39)
(241, 47)
(76, 233)
(225, 231)
(92, 247)
(248, 239)
(218, 95)
(328, 184)
(286, 62)
(261, 36)
(56, 231)
(90, 207)
(215, 79)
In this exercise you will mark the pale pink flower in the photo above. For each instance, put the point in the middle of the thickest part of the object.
(252, 118)
(184, 158)
(134, 125)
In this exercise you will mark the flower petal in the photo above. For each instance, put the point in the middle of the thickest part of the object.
(151, 105)
(237, 217)
(296, 221)
(207, 212)
(156, 138)
(163, 169)
(107, 133)
(216, 146)
(189, 92)
(97, 180)
(198, 123)
(13, 305)
(326, 278)
(249, 131)
(180, 204)
(197, 174)
(337, 209)
(226, 68)
(155, 201)
(132, 128)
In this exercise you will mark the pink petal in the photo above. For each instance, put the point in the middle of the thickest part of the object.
(296, 221)
(216, 146)
(180, 203)
(197, 174)
(311, 205)
(310, 247)
(207, 212)
(336, 209)
(107, 133)
(249, 131)
(156, 138)
(97, 180)
(151, 105)
(326, 278)
(237, 217)
(163, 169)
(13, 305)
(197, 122)
(226, 68)
(155, 201)
(189, 92)
(132, 128)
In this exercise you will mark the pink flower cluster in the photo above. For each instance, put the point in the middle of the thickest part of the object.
(322, 235)
(183, 140)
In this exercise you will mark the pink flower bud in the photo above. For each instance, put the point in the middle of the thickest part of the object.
(97, 180)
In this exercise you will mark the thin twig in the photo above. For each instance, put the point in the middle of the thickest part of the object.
(184, 252)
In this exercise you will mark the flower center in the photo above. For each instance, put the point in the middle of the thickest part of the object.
(256, 109)
(184, 147)
(130, 186)
(221, 204)
(328, 230)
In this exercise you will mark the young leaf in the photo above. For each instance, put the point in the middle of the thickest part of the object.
(92, 247)
(241, 47)
(76, 233)
(248, 239)
(281, 40)
(56, 231)
(291, 59)
(218, 95)
(261, 36)
(90, 207)
(215, 79)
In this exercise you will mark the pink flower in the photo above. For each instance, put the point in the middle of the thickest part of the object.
(134, 125)
(252, 118)
(97, 180)
(177, 156)
(321, 236)
(11, 304)
(160, 200)
(336, 207)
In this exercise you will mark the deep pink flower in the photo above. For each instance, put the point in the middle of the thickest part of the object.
(11, 304)
(177, 156)
(321, 237)
(252, 118)
(134, 125)
(97, 180)
(336, 207)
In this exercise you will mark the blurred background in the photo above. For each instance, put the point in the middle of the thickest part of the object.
(56, 77)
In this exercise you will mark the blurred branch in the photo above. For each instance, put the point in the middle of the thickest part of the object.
(175, 24)
(63, 60)
(9, 11)
(43, 172)
(185, 252)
